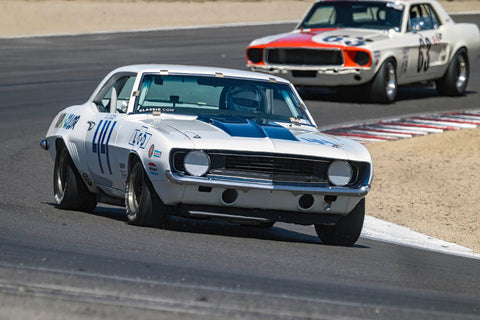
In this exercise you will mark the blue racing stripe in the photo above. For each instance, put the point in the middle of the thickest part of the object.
(240, 127)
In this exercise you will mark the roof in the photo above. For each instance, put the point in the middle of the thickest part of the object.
(198, 70)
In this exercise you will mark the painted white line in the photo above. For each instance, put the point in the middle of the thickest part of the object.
(446, 123)
(377, 229)
(405, 129)
(380, 134)
(458, 120)
(206, 26)
(414, 128)
(398, 134)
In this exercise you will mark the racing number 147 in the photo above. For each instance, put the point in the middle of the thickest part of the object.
(424, 54)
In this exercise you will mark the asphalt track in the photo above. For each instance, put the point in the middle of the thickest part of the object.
(63, 264)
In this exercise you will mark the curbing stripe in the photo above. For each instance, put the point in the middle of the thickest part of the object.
(396, 129)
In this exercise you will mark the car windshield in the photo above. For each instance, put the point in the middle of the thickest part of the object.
(354, 14)
(199, 95)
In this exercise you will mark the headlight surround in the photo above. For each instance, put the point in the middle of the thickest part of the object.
(339, 173)
(361, 58)
(196, 163)
(255, 55)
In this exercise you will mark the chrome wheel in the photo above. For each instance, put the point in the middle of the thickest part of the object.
(461, 73)
(144, 207)
(69, 190)
(455, 80)
(60, 176)
(391, 84)
(383, 87)
(136, 186)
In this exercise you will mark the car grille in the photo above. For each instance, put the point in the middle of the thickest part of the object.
(304, 57)
(266, 167)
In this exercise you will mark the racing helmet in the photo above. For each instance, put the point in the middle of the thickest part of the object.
(243, 98)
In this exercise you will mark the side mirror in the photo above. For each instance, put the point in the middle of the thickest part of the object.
(123, 107)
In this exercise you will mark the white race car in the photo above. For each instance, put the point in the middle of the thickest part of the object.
(375, 44)
(204, 142)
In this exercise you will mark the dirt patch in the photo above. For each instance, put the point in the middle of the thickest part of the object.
(429, 184)
(31, 17)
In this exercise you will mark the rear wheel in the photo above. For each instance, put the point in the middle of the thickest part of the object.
(144, 207)
(347, 230)
(68, 187)
(454, 81)
(384, 87)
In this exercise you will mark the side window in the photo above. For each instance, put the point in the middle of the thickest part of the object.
(118, 93)
(433, 16)
(422, 17)
(124, 90)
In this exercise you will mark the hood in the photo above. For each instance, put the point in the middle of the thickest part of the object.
(324, 38)
(240, 134)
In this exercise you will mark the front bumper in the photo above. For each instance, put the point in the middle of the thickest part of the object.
(319, 76)
(244, 184)
(252, 200)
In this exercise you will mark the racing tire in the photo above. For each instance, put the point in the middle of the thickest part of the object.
(69, 190)
(144, 207)
(455, 80)
(347, 230)
(384, 86)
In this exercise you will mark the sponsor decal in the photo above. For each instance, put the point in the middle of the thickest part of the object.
(404, 66)
(301, 121)
(150, 151)
(157, 154)
(140, 138)
(396, 6)
(152, 168)
(123, 171)
(67, 121)
(91, 125)
(100, 142)
(376, 57)
(324, 142)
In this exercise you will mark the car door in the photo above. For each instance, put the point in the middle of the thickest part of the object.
(105, 162)
(427, 52)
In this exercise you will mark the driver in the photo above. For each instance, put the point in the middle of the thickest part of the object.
(245, 99)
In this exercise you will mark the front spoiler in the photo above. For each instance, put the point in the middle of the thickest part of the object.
(256, 216)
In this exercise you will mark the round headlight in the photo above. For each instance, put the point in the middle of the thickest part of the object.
(196, 163)
(339, 173)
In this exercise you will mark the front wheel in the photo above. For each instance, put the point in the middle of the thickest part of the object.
(347, 230)
(144, 207)
(454, 81)
(384, 87)
(68, 187)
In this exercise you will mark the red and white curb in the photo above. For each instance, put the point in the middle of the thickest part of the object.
(396, 129)
(410, 127)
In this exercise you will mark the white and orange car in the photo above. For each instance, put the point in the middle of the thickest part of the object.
(379, 44)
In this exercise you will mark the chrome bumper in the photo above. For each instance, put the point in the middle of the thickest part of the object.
(247, 184)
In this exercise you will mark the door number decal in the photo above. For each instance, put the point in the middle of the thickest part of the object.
(100, 142)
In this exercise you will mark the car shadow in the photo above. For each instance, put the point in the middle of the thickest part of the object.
(215, 227)
(219, 228)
